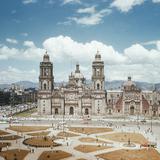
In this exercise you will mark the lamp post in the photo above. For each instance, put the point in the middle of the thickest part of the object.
(63, 115)
(111, 104)
(151, 121)
(137, 118)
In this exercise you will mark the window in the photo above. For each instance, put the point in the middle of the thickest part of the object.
(86, 111)
(46, 72)
(45, 86)
(56, 110)
(98, 86)
(71, 111)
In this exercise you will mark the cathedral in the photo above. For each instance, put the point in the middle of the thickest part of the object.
(79, 99)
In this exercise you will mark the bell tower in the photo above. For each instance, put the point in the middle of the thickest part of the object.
(98, 78)
(46, 78)
(98, 86)
(46, 86)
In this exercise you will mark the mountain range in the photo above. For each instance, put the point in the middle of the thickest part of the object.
(114, 85)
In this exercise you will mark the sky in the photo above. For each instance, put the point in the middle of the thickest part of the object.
(125, 32)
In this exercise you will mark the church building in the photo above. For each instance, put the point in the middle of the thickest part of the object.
(78, 98)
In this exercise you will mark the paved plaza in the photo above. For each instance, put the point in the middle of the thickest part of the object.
(80, 139)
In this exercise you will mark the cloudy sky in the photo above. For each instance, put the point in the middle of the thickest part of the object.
(126, 33)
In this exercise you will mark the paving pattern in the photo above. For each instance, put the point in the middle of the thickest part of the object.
(69, 143)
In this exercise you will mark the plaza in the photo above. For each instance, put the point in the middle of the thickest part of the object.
(73, 138)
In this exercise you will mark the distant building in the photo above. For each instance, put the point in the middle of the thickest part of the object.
(29, 95)
(4, 98)
(18, 90)
(16, 95)
(77, 98)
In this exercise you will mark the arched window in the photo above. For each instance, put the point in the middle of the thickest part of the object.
(98, 86)
(56, 110)
(71, 111)
(86, 111)
(132, 110)
(45, 86)
(44, 72)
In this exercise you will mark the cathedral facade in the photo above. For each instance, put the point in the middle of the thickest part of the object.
(78, 98)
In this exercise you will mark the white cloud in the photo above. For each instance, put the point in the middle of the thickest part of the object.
(12, 74)
(137, 54)
(155, 42)
(126, 5)
(29, 44)
(6, 52)
(94, 17)
(136, 60)
(138, 72)
(89, 10)
(71, 1)
(149, 43)
(158, 45)
(30, 53)
(62, 46)
(156, 1)
(10, 40)
(24, 34)
(29, 1)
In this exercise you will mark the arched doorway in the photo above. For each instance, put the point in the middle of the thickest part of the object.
(154, 113)
(56, 110)
(86, 112)
(132, 110)
(71, 111)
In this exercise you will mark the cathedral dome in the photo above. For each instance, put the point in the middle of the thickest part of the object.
(78, 75)
(129, 82)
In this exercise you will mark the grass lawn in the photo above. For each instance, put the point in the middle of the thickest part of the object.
(27, 128)
(142, 154)
(54, 155)
(14, 154)
(90, 148)
(124, 137)
(27, 113)
(38, 134)
(10, 137)
(2, 133)
(40, 142)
